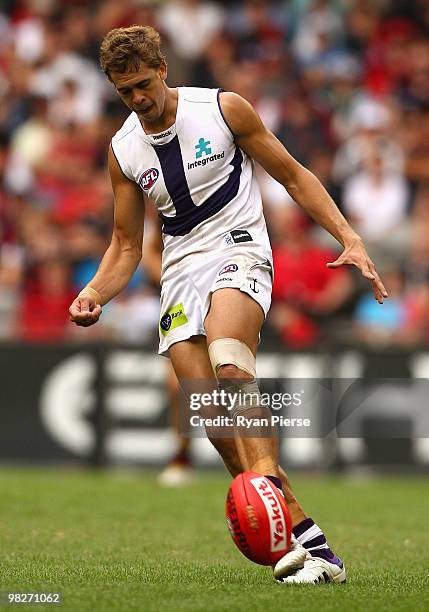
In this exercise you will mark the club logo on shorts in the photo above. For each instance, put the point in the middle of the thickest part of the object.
(229, 268)
(174, 317)
(165, 322)
(253, 286)
(148, 178)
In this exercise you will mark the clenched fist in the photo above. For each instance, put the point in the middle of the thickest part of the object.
(85, 309)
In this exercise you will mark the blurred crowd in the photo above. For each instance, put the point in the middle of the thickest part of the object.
(344, 84)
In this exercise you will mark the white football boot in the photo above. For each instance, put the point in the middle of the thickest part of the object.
(292, 560)
(176, 475)
(315, 571)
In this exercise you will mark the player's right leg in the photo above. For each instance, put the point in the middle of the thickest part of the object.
(179, 470)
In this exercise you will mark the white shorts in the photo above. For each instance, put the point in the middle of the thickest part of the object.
(187, 287)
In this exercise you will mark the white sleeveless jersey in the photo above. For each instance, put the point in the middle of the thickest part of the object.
(202, 184)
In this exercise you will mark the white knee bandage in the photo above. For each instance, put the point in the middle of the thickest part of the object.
(229, 351)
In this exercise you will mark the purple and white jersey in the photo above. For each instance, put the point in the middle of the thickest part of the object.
(202, 184)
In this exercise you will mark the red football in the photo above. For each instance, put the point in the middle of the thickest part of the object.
(258, 518)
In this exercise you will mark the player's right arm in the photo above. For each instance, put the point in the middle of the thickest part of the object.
(124, 253)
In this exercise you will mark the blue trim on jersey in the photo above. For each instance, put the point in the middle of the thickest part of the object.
(171, 161)
(188, 215)
(219, 91)
(228, 191)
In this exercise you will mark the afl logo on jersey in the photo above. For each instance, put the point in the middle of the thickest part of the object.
(148, 178)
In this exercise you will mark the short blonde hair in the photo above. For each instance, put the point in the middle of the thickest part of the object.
(124, 49)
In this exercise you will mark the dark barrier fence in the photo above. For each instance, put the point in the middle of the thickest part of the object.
(107, 405)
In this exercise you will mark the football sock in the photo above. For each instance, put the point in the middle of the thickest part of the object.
(182, 457)
(275, 481)
(313, 539)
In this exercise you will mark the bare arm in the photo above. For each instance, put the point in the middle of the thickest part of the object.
(261, 145)
(122, 256)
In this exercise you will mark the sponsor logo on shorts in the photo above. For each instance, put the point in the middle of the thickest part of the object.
(174, 317)
(235, 236)
(241, 236)
(163, 135)
(224, 279)
(148, 178)
(228, 268)
(278, 530)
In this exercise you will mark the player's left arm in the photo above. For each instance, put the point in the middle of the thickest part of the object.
(261, 145)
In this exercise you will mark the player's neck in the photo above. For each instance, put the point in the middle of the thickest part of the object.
(168, 117)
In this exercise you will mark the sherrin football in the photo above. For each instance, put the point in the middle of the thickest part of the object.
(258, 518)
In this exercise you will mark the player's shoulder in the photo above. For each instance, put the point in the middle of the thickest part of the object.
(234, 101)
(239, 114)
(128, 128)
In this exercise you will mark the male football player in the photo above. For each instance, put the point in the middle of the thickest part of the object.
(191, 150)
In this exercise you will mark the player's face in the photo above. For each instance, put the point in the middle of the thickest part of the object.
(143, 91)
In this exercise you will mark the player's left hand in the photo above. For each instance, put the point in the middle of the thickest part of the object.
(355, 254)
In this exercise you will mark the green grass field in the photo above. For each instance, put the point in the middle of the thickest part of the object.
(117, 541)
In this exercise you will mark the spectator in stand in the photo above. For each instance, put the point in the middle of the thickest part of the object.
(259, 28)
(85, 243)
(376, 200)
(214, 66)
(301, 129)
(417, 311)
(191, 25)
(344, 85)
(11, 277)
(318, 28)
(393, 326)
(414, 135)
(367, 126)
(30, 144)
(244, 78)
(43, 309)
(305, 292)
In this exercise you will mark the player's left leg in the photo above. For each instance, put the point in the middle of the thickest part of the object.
(235, 315)
(190, 361)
